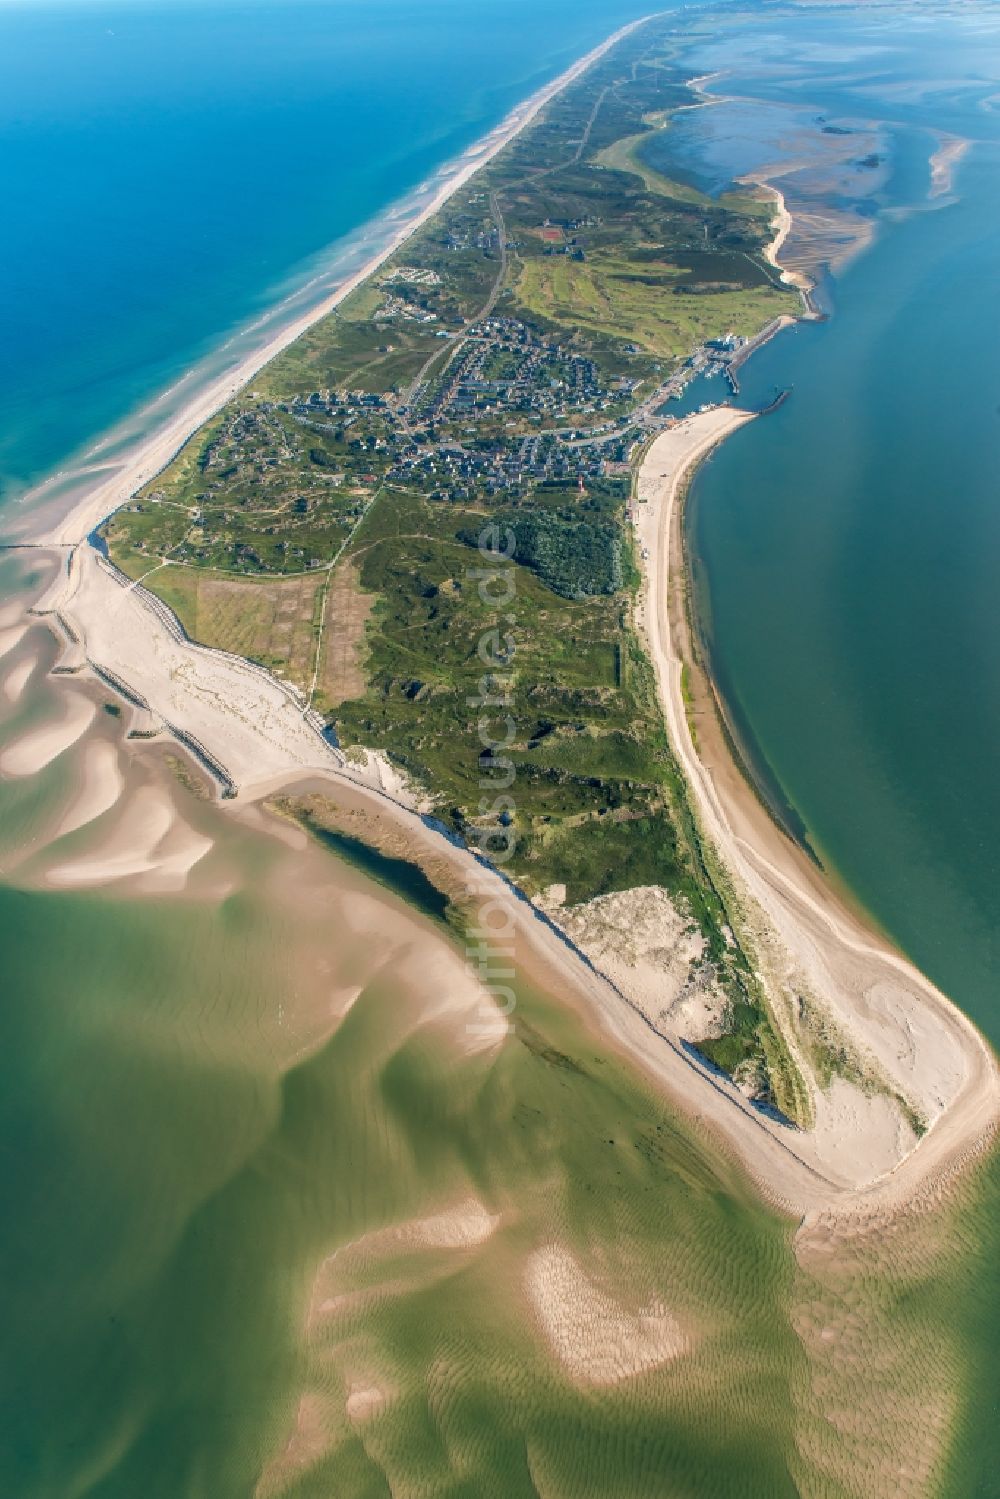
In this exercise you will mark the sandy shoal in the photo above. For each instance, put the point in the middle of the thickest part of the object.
(101, 787)
(40, 746)
(148, 840)
(18, 678)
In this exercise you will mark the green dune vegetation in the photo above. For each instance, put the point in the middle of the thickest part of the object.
(505, 368)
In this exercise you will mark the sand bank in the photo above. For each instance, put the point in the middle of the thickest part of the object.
(807, 943)
(944, 162)
(18, 678)
(152, 455)
(10, 637)
(39, 747)
(593, 1335)
(149, 840)
(101, 788)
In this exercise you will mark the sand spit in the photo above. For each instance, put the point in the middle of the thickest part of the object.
(149, 843)
(596, 1339)
(18, 678)
(38, 748)
(782, 229)
(152, 455)
(944, 162)
(904, 1031)
(102, 786)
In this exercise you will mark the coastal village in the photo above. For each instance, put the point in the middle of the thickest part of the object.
(512, 362)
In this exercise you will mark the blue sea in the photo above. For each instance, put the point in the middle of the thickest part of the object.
(170, 169)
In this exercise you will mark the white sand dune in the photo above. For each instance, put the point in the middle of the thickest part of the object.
(18, 678)
(149, 840)
(102, 786)
(597, 1339)
(40, 746)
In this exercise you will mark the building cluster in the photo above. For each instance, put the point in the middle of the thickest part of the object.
(508, 368)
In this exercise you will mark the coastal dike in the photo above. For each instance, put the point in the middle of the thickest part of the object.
(287, 582)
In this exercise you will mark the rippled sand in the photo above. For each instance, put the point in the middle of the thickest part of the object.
(150, 840)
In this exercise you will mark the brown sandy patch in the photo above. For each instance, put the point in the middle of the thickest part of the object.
(312, 1438)
(594, 1336)
(39, 747)
(11, 637)
(365, 1401)
(342, 669)
(463, 1226)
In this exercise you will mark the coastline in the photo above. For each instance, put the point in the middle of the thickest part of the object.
(152, 454)
(802, 931)
(246, 725)
(226, 717)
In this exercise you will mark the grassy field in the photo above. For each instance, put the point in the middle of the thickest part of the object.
(273, 621)
(655, 304)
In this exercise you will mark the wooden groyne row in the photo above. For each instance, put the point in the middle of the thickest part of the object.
(177, 632)
(215, 767)
(115, 682)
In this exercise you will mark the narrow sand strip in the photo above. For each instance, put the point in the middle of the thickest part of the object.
(806, 941)
(10, 637)
(102, 786)
(18, 678)
(39, 747)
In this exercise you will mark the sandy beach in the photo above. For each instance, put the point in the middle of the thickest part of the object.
(806, 941)
(152, 455)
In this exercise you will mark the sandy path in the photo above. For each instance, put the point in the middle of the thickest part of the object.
(806, 940)
(153, 454)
